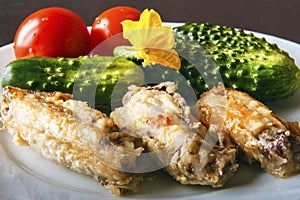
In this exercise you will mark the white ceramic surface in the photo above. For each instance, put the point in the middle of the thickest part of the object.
(26, 175)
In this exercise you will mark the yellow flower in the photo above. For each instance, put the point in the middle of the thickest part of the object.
(154, 40)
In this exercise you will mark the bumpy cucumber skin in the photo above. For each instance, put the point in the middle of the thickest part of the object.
(85, 77)
(245, 62)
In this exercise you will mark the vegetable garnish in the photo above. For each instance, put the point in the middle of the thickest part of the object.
(52, 32)
(154, 41)
(108, 23)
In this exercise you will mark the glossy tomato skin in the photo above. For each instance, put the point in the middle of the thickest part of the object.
(52, 32)
(108, 23)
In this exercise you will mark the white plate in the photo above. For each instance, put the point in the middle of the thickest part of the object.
(25, 175)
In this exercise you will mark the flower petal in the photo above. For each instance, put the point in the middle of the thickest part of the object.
(155, 40)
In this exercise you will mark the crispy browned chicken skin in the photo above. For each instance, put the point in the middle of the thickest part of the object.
(180, 142)
(261, 134)
(72, 134)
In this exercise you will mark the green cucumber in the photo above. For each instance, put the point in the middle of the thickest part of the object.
(209, 55)
(213, 54)
(92, 79)
(245, 62)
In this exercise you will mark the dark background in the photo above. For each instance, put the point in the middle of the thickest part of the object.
(276, 17)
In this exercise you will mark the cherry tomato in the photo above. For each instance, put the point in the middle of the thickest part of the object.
(108, 23)
(52, 32)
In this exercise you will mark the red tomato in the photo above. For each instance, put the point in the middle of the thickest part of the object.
(108, 23)
(52, 32)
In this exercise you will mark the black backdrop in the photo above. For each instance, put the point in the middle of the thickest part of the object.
(276, 17)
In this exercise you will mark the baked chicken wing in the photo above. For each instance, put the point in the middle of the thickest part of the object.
(189, 152)
(72, 134)
(259, 133)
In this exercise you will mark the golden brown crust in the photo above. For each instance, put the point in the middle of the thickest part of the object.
(261, 134)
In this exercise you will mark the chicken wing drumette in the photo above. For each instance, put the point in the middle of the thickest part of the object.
(260, 134)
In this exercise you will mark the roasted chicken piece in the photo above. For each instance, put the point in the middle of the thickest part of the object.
(259, 133)
(72, 134)
(176, 140)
